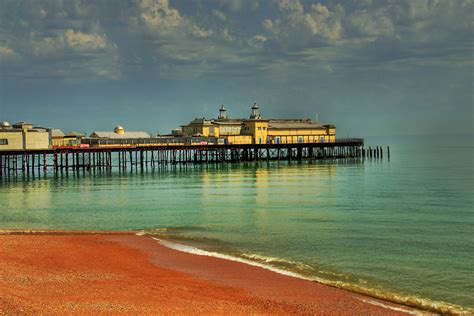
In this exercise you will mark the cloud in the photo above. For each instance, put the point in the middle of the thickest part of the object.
(6, 52)
(291, 6)
(258, 41)
(236, 6)
(219, 14)
(371, 25)
(297, 27)
(72, 41)
(158, 15)
(200, 32)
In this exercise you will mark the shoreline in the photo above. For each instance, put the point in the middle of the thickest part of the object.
(242, 288)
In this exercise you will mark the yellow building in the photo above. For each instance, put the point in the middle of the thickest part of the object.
(299, 131)
(256, 130)
(59, 139)
(22, 136)
(200, 127)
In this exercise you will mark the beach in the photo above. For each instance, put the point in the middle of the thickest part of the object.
(57, 272)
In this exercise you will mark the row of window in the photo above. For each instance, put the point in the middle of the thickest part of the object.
(3, 141)
(301, 139)
(229, 129)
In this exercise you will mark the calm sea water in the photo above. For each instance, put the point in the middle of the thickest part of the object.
(402, 229)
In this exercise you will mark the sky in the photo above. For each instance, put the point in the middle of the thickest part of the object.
(372, 68)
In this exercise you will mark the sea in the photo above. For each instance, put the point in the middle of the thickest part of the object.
(399, 229)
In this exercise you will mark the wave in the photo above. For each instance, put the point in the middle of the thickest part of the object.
(306, 272)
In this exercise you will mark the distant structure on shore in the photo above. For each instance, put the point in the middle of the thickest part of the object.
(256, 130)
(200, 131)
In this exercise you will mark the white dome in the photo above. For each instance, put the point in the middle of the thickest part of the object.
(5, 124)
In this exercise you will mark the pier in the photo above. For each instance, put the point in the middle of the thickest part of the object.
(66, 160)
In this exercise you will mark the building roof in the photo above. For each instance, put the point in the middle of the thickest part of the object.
(228, 122)
(21, 124)
(200, 121)
(297, 124)
(56, 132)
(137, 134)
(75, 134)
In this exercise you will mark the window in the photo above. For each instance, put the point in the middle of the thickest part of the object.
(3, 141)
(264, 128)
(259, 128)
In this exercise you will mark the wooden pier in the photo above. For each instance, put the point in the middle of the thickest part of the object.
(66, 160)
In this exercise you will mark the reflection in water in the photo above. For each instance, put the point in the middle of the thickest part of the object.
(25, 197)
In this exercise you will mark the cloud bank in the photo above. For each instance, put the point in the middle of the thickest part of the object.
(104, 39)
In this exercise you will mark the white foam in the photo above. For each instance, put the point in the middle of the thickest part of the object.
(270, 260)
(200, 252)
(398, 309)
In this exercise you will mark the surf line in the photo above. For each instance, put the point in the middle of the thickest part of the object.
(200, 252)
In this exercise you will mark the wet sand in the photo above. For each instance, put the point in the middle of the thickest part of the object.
(113, 272)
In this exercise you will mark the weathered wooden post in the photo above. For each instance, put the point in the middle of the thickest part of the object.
(120, 160)
(38, 166)
(299, 152)
(55, 162)
(44, 163)
(33, 163)
(77, 162)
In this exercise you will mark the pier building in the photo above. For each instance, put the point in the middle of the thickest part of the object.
(257, 130)
(120, 133)
(23, 136)
(57, 137)
(61, 140)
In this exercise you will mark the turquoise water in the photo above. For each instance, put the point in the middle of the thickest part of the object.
(401, 229)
